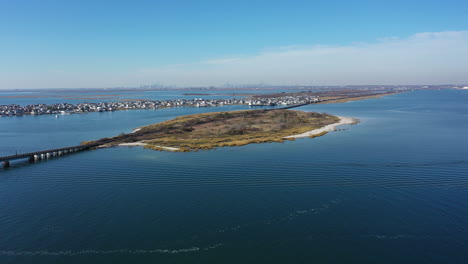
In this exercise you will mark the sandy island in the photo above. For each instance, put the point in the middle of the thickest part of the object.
(318, 131)
(327, 128)
(227, 129)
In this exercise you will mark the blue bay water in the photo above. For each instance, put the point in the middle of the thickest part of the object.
(392, 189)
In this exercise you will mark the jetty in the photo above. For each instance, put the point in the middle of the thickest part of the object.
(44, 154)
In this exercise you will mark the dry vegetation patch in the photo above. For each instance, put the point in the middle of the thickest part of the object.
(236, 128)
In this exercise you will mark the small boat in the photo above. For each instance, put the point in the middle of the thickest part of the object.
(57, 116)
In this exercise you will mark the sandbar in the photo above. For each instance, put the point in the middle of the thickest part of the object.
(327, 128)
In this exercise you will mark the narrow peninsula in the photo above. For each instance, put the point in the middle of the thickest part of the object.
(220, 129)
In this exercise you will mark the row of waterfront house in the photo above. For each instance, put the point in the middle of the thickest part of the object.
(66, 108)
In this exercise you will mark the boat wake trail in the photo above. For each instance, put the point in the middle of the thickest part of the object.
(289, 217)
(106, 252)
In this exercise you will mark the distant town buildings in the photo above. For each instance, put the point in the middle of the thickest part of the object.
(65, 108)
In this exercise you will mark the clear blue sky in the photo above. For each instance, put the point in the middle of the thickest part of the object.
(64, 42)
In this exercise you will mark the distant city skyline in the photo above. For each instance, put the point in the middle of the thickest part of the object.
(103, 44)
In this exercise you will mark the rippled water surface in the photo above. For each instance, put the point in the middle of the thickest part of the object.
(392, 189)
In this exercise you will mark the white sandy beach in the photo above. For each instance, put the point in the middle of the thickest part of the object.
(140, 143)
(132, 144)
(328, 128)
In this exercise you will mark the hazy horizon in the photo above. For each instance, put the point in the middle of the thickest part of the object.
(241, 87)
(50, 44)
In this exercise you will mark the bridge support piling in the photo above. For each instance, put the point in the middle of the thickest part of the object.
(6, 164)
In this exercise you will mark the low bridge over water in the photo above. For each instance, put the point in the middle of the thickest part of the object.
(44, 154)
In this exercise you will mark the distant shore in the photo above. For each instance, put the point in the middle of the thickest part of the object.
(336, 100)
(271, 100)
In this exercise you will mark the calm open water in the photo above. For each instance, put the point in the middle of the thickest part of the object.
(392, 189)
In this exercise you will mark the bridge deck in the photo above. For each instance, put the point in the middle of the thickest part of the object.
(83, 147)
(30, 154)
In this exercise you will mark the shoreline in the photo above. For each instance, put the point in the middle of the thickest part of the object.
(327, 128)
(358, 98)
(142, 144)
